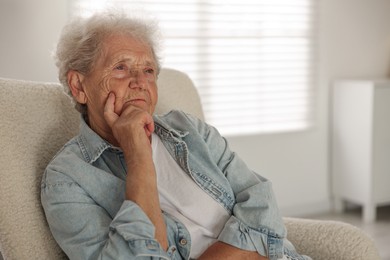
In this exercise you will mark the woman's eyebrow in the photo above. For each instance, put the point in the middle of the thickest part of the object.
(114, 61)
(132, 61)
(150, 63)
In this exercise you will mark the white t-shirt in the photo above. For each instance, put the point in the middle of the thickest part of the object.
(182, 198)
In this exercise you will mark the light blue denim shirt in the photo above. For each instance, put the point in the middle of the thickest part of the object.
(83, 195)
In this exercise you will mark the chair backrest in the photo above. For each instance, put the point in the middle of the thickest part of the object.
(36, 120)
(177, 91)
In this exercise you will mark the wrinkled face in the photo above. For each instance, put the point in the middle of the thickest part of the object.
(128, 69)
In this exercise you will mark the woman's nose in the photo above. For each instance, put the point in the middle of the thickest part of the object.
(138, 79)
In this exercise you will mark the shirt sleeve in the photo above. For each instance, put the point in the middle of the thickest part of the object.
(256, 223)
(84, 230)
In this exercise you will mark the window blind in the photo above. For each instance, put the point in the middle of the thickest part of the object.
(252, 61)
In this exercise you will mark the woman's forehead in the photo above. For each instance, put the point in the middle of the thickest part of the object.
(127, 49)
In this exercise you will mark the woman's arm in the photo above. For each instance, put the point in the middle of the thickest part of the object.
(132, 131)
(86, 230)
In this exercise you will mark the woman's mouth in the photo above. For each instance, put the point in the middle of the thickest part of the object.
(136, 102)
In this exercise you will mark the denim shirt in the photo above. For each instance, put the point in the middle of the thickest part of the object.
(83, 195)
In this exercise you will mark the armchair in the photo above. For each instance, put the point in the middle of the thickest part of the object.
(37, 119)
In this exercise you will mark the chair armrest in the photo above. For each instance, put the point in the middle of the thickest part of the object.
(326, 240)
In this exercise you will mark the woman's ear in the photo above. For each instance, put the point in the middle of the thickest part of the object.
(74, 82)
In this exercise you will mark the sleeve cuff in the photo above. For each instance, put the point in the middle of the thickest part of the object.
(132, 223)
(262, 240)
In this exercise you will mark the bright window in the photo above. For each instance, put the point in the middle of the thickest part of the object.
(253, 61)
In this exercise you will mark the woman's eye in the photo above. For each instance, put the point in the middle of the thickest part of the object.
(120, 67)
(151, 71)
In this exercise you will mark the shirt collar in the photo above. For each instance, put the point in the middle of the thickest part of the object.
(91, 144)
(164, 130)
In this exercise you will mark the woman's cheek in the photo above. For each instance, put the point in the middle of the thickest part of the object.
(105, 85)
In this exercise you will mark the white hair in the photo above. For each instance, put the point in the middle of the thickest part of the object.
(80, 43)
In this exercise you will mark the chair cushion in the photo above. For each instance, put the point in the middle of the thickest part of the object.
(36, 120)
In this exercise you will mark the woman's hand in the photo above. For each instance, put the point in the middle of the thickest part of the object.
(132, 127)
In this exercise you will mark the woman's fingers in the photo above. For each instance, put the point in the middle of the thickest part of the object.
(109, 114)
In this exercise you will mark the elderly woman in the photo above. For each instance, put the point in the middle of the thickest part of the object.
(133, 185)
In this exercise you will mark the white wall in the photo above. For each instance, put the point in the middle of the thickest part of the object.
(29, 31)
(356, 38)
(354, 42)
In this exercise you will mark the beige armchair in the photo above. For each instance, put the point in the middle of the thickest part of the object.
(38, 118)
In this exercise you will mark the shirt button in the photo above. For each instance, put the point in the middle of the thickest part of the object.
(183, 242)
